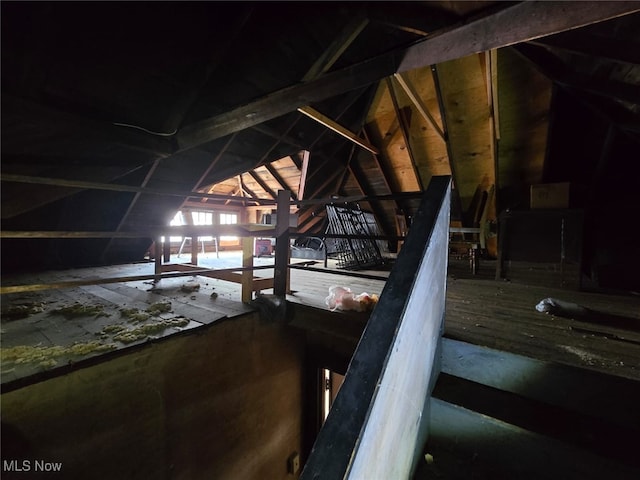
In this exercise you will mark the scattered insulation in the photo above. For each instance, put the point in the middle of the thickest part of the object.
(113, 329)
(134, 315)
(80, 310)
(47, 357)
(190, 287)
(144, 331)
(22, 310)
(159, 307)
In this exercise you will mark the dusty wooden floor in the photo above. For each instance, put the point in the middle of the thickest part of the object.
(502, 315)
(480, 310)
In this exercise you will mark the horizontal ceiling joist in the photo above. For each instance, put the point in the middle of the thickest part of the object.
(60, 182)
(520, 22)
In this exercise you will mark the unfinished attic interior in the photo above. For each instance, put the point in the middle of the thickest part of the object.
(320, 240)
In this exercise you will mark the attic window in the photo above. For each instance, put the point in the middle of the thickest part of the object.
(228, 219)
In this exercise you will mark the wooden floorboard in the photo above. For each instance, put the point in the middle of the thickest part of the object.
(480, 310)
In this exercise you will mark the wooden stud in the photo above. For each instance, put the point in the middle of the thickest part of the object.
(281, 270)
(247, 275)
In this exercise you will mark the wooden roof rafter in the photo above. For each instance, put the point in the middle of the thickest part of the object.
(262, 183)
(132, 204)
(245, 189)
(336, 127)
(411, 93)
(491, 74)
(584, 43)
(331, 55)
(520, 22)
(357, 176)
(311, 210)
(404, 127)
(443, 116)
(384, 172)
(554, 69)
(214, 162)
(344, 106)
(281, 181)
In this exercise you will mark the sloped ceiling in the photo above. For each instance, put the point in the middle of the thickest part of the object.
(112, 112)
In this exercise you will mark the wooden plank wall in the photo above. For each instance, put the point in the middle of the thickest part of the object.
(224, 403)
(377, 426)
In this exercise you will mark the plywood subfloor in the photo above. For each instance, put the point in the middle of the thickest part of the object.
(480, 310)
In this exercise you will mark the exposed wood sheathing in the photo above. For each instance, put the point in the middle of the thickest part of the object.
(524, 103)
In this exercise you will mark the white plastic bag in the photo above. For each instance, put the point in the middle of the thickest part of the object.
(553, 306)
(342, 298)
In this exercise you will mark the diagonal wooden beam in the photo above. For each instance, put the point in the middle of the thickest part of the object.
(553, 68)
(341, 109)
(312, 222)
(491, 73)
(214, 162)
(336, 127)
(244, 187)
(443, 115)
(280, 180)
(520, 22)
(583, 43)
(404, 126)
(384, 171)
(346, 37)
(132, 204)
(513, 24)
(403, 81)
(262, 183)
(304, 168)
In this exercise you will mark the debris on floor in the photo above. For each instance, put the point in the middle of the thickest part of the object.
(190, 287)
(342, 298)
(553, 306)
(48, 357)
(14, 312)
(80, 310)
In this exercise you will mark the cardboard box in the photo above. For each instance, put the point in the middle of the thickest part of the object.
(550, 195)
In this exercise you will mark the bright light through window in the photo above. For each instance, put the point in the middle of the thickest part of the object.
(199, 218)
(176, 221)
(203, 218)
(228, 219)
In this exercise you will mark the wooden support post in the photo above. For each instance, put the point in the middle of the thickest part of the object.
(281, 271)
(157, 257)
(166, 249)
(194, 249)
(247, 275)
